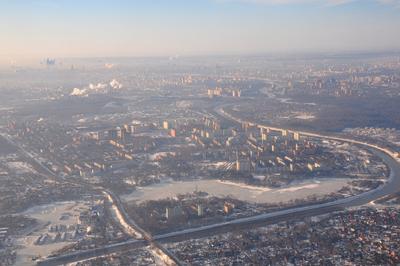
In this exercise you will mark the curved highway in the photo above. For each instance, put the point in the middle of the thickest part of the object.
(389, 158)
(390, 187)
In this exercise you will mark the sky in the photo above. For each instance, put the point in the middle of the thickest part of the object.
(105, 28)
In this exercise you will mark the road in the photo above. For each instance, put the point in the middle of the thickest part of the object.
(390, 187)
(32, 158)
(132, 229)
(117, 211)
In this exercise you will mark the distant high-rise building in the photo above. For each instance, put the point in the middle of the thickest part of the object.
(165, 125)
(296, 136)
(94, 135)
(243, 165)
(264, 136)
(172, 132)
(236, 93)
(200, 210)
(113, 133)
(228, 207)
(127, 128)
(173, 213)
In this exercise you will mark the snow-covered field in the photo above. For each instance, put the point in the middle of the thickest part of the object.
(305, 117)
(21, 167)
(47, 215)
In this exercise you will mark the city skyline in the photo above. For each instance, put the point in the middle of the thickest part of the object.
(36, 29)
(199, 132)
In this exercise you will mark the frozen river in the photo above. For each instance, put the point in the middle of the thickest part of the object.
(318, 187)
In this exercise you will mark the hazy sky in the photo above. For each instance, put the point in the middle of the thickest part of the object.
(61, 28)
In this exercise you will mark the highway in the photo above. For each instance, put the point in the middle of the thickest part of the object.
(391, 186)
(140, 237)
(132, 229)
(36, 163)
(94, 253)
